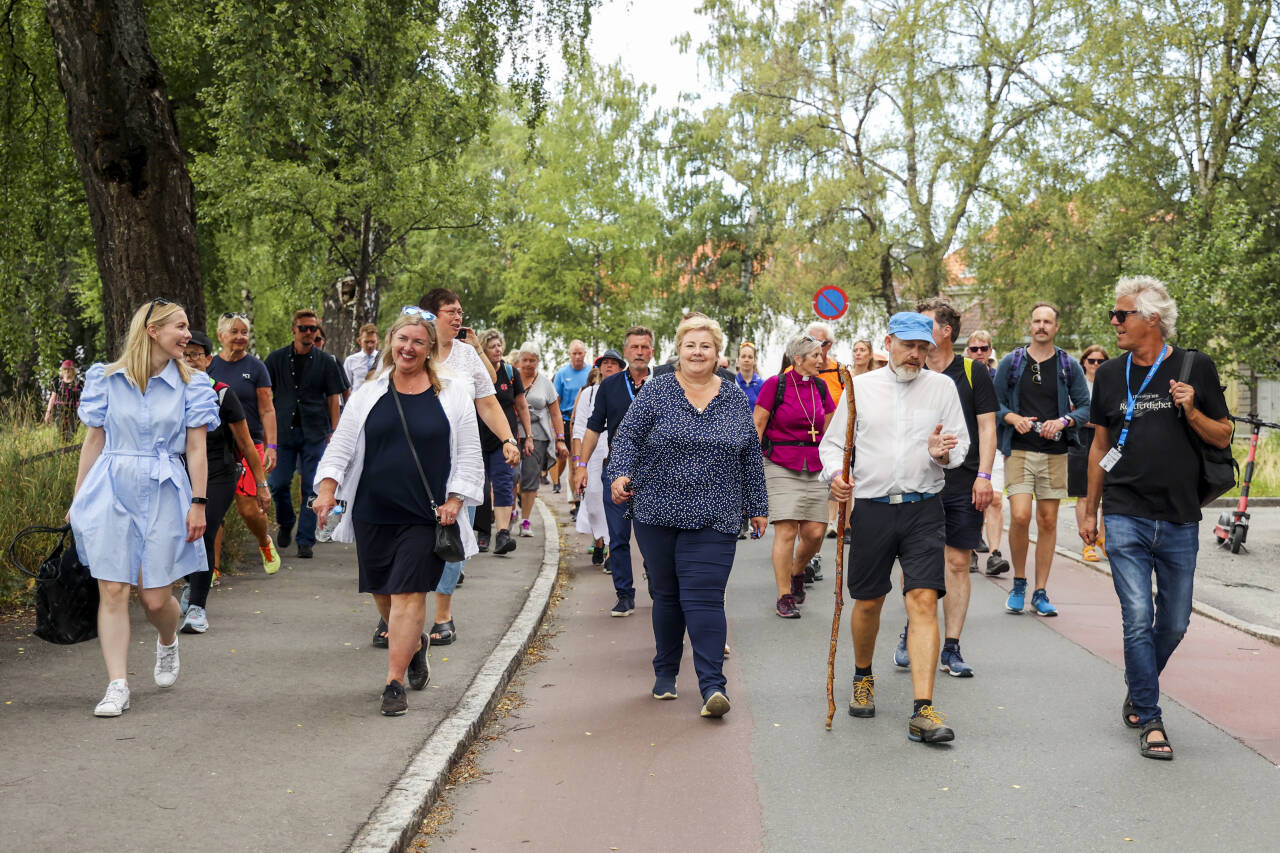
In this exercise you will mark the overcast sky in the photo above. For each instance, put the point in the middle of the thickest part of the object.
(640, 33)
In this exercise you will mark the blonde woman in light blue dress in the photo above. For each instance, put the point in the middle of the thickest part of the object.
(137, 516)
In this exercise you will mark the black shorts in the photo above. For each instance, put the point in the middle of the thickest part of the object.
(397, 558)
(1077, 472)
(964, 523)
(912, 534)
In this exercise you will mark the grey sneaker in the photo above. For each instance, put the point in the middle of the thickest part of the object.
(926, 726)
(197, 621)
(116, 700)
(863, 701)
(166, 672)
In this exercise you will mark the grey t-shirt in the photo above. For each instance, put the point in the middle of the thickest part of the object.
(541, 397)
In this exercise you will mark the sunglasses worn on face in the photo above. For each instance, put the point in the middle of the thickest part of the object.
(307, 328)
(1120, 315)
(980, 349)
(415, 311)
(1094, 360)
(154, 302)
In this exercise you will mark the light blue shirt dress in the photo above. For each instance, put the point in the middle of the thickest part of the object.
(131, 511)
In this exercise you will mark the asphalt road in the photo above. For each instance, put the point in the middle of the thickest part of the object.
(1041, 759)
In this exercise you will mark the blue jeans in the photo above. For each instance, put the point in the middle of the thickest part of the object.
(1136, 547)
(688, 571)
(452, 571)
(615, 517)
(295, 455)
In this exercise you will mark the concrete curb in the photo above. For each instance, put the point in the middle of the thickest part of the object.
(395, 822)
(1262, 632)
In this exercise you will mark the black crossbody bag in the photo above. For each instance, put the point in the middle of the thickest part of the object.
(1219, 471)
(448, 536)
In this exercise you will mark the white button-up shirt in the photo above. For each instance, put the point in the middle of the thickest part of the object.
(360, 367)
(895, 420)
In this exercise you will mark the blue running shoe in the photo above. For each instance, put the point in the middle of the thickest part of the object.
(953, 664)
(1017, 596)
(1040, 601)
(900, 656)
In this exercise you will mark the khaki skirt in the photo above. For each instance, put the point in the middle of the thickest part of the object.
(794, 495)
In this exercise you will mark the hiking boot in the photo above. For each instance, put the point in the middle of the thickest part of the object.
(925, 726)
(664, 687)
(952, 664)
(197, 620)
(420, 665)
(503, 543)
(394, 702)
(715, 705)
(1040, 601)
(797, 589)
(625, 606)
(786, 607)
(996, 564)
(813, 571)
(900, 656)
(1017, 596)
(863, 701)
(116, 700)
(167, 665)
(270, 557)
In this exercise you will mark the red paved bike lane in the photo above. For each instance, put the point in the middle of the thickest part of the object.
(1228, 677)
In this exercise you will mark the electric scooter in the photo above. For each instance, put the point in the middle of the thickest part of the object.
(1233, 525)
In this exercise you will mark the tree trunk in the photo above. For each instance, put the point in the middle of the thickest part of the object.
(125, 139)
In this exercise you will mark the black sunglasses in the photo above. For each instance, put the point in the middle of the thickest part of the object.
(159, 300)
(980, 349)
(231, 314)
(1120, 315)
(307, 328)
(1094, 360)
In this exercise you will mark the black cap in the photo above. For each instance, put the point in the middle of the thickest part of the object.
(201, 340)
(613, 354)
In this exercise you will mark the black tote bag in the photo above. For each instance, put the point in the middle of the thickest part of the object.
(66, 594)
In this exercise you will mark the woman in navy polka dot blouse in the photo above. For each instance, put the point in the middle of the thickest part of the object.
(688, 460)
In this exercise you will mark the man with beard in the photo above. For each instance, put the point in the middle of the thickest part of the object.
(909, 428)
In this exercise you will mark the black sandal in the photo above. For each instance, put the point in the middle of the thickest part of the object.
(380, 635)
(446, 631)
(1126, 711)
(1154, 750)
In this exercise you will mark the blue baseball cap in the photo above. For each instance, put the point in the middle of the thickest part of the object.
(910, 326)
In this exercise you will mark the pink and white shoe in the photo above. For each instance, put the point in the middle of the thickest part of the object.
(525, 528)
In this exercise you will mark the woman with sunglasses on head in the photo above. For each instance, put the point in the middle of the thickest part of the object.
(1078, 458)
(372, 466)
(139, 514)
(790, 424)
(250, 381)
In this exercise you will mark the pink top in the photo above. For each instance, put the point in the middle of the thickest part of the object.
(806, 402)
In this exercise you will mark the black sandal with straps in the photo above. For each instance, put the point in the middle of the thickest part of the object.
(1160, 750)
(1126, 711)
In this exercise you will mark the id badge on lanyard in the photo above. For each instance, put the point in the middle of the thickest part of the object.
(1113, 455)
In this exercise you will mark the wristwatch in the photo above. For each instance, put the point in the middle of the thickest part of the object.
(511, 441)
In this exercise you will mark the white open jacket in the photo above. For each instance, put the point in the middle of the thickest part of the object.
(343, 459)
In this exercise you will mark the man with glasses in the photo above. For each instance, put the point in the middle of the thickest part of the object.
(979, 349)
(1043, 397)
(306, 383)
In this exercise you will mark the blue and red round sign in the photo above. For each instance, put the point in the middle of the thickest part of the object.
(830, 302)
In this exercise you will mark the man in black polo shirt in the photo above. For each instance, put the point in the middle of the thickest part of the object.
(306, 383)
(612, 402)
(967, 492)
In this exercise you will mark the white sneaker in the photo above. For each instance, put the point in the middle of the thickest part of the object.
(166, 663)
(116, 700)
(197, 621)
(525, 528)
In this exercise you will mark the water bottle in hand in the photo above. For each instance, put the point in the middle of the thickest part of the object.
(325, 533)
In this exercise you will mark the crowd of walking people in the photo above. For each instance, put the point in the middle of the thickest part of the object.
(428, 445)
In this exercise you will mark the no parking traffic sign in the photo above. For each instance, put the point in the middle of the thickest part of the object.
(830, 302)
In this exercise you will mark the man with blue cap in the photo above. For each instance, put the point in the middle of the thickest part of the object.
(909, 428)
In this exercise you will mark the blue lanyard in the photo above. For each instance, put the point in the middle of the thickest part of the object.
(631, 391)
(1131, 398)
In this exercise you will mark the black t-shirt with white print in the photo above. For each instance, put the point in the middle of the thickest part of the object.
(1159, 467)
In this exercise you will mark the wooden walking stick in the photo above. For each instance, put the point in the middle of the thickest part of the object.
(840, 529)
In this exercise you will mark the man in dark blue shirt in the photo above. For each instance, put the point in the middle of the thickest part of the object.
(306, 383)
(612, 402)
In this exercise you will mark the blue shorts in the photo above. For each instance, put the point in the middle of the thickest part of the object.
(502, 477)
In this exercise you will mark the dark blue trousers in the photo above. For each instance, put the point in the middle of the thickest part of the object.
(295, 455)
(615, 516)
(688, 571)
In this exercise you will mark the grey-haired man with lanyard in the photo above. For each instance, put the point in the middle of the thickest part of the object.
(909, 428)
